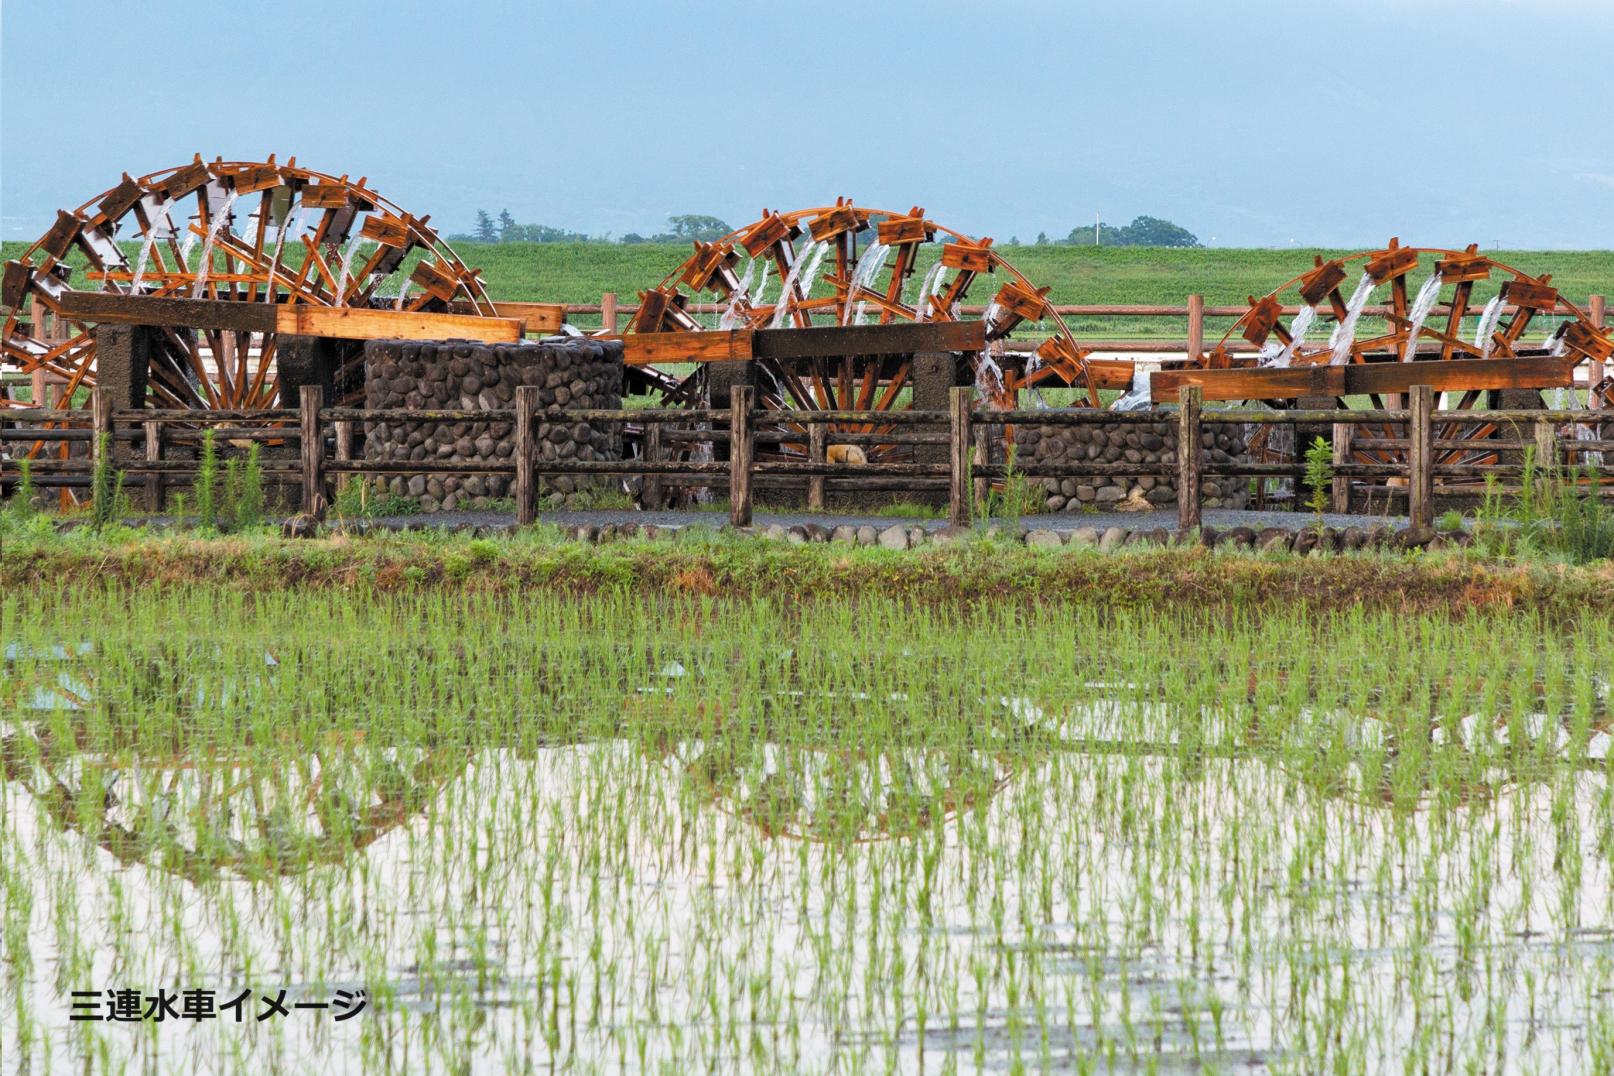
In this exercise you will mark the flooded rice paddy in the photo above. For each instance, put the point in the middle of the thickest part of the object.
(615, 834)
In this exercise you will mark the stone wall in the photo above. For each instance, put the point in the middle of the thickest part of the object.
(1118, 442)
(570, 372)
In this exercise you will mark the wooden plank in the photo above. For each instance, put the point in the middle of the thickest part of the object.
(834, 341)
(649, 349)
(357, 323)
(1366, 378)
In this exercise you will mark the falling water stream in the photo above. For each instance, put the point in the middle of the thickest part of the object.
(156, 225)
(868, 267)
(1422, 304)
(805, 270)
(1297, 337)
(221, 219)
(928, 290)
(1487, 326)
(1344, 334)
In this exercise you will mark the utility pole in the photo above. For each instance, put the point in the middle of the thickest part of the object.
(1095, 228)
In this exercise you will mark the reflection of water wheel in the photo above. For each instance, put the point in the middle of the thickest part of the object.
(792, 770)
(245, 809)
(246, 815)
(1421, 326)
(245, 231)
(912, 269)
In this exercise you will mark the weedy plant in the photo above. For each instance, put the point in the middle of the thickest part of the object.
(1319, 478)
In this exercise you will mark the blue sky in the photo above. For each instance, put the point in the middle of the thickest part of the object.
(1256, 124)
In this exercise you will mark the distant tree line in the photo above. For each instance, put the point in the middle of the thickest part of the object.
(683, 228)
(1142, 232)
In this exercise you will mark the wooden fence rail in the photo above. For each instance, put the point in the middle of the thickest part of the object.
(135, 442)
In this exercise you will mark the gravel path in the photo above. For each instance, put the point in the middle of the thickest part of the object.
(1061, 521)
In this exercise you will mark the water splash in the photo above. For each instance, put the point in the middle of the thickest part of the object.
(1344, 334)
(929, 288)
(990, 314)
(988, 377)
(1283, 355)
(804, 271)
(221, 219)
(1487, 326)
(1136, 398)
(1422, 304)
(869, 264)
(290, 224)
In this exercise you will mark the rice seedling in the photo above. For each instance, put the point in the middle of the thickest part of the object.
(616, 832)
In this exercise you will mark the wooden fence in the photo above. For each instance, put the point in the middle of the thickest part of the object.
(1193, 311)
(137, 440)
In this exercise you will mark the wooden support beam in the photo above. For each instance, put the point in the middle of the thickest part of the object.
(651, 349)
(958, 452)
(834, 341)
(1190, 456)
(1367, 378)
(536, 318)
(346, 323)
(742, 400)
(356, 323)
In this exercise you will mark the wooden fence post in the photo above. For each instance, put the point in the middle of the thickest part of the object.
(310, 399)
(101, 423)
(959, 493)
(1343, 432)
(652, 454)
(154, 454)
(1421, 459)
(1190, 455)
(344, 440)
(983, 455)
(608, 311)
(1546, 445)
(1594, 372)
(526, 451)
(817, 436)
(1196, 326)
(740, 453)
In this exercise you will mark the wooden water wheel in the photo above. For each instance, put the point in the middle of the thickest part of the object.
(847, 264)
(256, 232)
(1423, 296)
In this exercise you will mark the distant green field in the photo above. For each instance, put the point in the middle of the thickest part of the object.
(581, 272)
